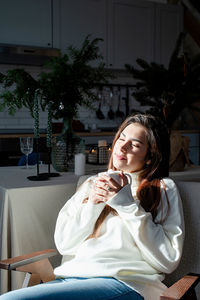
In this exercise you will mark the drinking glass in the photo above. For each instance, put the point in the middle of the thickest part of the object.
(26, 146)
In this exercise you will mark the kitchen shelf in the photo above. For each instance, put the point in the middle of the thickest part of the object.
(82, 134)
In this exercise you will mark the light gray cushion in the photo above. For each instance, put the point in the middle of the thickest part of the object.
(190, 261)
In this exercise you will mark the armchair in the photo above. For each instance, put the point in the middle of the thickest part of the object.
(39, 269)
(36, 265)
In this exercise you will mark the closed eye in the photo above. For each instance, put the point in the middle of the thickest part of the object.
(136, 145)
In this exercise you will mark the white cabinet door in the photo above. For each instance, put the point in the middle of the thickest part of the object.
(26, 22)
(169, 23)
(74, 20)
(131, 32)
(130, 29)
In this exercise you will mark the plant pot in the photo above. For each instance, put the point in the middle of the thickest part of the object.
(64, 148)
(58, 155)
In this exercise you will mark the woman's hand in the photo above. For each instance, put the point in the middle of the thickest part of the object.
(106, 187)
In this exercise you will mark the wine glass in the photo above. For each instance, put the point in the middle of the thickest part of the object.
(26, 146)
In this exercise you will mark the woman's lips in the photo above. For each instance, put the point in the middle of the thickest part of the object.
(120, 157)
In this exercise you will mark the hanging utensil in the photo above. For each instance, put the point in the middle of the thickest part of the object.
(111, 114)
(99, 112)
(119, 113)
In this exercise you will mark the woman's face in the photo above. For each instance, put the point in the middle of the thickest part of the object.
(130, 149)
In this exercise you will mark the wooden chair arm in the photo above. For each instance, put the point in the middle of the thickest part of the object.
(182, 288)
(18, 261)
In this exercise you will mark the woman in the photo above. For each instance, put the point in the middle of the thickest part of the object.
(118, 237)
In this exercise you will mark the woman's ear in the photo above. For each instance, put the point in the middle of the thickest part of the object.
(148, 162)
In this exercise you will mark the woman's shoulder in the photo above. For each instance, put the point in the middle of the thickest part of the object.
(169, 185)
(173, 205)
(168, 182)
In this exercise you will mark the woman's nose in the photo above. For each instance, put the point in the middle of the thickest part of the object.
(124, 146)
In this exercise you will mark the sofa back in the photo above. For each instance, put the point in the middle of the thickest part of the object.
(190, 261)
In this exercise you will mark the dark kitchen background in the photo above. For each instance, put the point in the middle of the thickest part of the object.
(33, 30)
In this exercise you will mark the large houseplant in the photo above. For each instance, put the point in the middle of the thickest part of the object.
(169, 93)
(69, 82)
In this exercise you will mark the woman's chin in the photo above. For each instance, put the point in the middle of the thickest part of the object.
(119, 166)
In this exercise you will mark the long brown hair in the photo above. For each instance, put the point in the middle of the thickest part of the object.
(151, 175)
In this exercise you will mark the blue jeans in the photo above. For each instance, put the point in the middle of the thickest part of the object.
(98, 288)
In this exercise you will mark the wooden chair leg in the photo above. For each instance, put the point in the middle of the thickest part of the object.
(31, 279)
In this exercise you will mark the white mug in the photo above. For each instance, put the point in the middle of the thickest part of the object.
(115, 175)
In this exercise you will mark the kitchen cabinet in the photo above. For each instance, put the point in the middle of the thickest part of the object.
(169, 23)
(131, 32)
(26, 22)
(129, 28)
(142, 29)
(126, 26)
(74, 20)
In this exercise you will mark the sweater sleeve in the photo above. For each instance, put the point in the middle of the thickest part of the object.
(160, 244)
(76, 220)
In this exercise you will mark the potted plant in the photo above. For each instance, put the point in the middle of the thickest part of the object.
(71, 80)
(169, 92)
(68, 83)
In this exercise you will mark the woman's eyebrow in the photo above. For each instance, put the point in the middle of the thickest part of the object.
(136, 140)
(133, 139)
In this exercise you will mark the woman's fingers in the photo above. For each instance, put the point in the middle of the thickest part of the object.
(118, 183)
(96, 196)
(124, 178)
(106, 180)
(105, 187)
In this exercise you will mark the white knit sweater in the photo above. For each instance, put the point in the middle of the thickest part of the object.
(130, 247)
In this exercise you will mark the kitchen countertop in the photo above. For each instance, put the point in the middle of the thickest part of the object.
(7, 134)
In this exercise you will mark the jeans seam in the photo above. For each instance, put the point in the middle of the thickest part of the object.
(118, 296)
